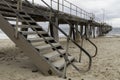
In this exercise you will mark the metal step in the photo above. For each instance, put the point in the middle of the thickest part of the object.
(47, 46)
(53, 55)
(33, 32)
(5, 9)
(8, 14)
(29, 21)
(4, 4)
(26, 26)
(24, 16)
(59, 64)
(39, 39)
(14, 19)
(10, 19)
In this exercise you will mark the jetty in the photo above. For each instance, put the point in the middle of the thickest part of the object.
(19, 21)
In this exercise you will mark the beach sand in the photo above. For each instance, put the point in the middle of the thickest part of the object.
(14, 65)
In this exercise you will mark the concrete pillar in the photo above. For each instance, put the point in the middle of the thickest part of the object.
(100, 31)
(86, 31)
(77, 35)
(93, 32)
(54, 30)
(72, 31)
(81, 30)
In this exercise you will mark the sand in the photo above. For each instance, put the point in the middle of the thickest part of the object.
(14, 65)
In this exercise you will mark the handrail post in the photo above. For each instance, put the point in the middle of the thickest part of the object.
(58, 5)
(70, 8)
(81, 33)
(90, 59)
(19, 7)
(76, 10)
(50, 17)
(51, 3)
(32, 1)
(67, 49)
(81, 13)
(77, 35)
(63, 5)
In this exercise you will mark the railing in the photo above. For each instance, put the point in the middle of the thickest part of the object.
(69, 38)
(96, 49)
(71, 9)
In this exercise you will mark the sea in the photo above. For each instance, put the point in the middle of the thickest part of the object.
(115, 32)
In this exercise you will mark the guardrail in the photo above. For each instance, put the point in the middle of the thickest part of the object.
(70, 8)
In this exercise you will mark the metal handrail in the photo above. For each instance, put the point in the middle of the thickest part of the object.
(90, 59)
(78, 10)
(94, 46)
(65, 57)
(80, 34)
(72, 64)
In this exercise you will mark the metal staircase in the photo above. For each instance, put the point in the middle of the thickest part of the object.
(43, 50)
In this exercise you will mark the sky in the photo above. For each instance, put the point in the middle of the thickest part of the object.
(109, 8)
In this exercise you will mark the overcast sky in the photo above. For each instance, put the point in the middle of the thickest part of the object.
(111, 8)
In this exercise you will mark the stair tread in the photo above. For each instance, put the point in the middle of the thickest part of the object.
(10, 19)
(26, 21)
(39, 39)
(26, 26)
(47, 46)
(7, 13)
(33, 32)
(59, 64)
(5, 9)
(54, 54)
(14, 19)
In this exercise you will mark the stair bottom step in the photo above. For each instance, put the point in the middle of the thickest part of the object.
(52, 56)
(59, 64)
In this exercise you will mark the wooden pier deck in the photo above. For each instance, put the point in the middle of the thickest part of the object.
(85, 20)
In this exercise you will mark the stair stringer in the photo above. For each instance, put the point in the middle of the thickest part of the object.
(41, 63)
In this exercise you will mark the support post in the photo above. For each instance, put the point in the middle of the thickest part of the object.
(54, 30)
(81, 42)
(81, 30)
(32, 1)
(100, 31)
(86, 30)
(58, 4)
(93, 32)
(19, 7)
(72, 32)
(90, 32)
(77, 35)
